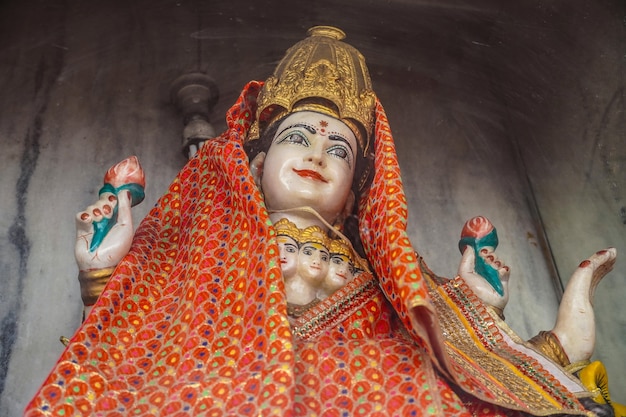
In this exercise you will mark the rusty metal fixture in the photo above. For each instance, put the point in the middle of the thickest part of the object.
(194, 95)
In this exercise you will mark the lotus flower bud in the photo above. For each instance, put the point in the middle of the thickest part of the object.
(478, 233)
(126, 172)
(477, 227)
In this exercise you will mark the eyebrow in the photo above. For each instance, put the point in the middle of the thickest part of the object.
(310, 245)
(313, 130)
(308, 127)
(341, 139)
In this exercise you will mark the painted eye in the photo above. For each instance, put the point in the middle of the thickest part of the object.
(296, 138)
(340, 152)
(324, 257)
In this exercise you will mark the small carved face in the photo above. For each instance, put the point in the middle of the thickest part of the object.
(313, 262)
(339, 273)
(288, 248)
(310, 163)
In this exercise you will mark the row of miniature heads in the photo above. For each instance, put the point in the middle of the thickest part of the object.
(310, 254)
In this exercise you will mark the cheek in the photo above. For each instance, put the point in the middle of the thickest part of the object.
(273, 181)
(343, 173)
(271, 168)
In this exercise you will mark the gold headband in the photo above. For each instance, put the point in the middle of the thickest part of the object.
(323, 74)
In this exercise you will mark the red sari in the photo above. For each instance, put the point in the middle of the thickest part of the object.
(194, 319)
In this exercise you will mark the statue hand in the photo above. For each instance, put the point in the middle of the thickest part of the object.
(483, 289)
(117, 241)
(575, 324)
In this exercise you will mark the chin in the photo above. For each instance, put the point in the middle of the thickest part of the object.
(329, 214)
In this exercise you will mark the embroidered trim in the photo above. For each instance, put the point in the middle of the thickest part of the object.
(549, 345)
(336, 308)
(489, 334)
(295, 310)
(479, 351)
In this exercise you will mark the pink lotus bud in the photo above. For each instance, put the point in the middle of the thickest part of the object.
(477, 227)
(126, 172)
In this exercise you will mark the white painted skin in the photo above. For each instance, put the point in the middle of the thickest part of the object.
(339, 274)
(310, 163)
(313, 261)
(288, 249)
(478, 284)
(116, 243)
(575, 323)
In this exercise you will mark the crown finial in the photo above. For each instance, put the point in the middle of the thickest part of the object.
(328, 31)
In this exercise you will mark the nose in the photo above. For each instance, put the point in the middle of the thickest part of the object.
(317, 257)
(316, 155)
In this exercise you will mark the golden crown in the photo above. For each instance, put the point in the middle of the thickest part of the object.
(340, 247)
(314, 234)
(322, 74)
(286, 228)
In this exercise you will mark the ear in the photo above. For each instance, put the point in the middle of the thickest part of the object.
(256, 168)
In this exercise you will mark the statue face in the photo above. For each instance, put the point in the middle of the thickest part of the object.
(313, 262)
(288, 255)
(310, 163)
(339, 273)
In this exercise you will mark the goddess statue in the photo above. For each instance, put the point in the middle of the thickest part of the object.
(275, 277)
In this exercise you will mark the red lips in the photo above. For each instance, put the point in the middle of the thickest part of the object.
(307, 173)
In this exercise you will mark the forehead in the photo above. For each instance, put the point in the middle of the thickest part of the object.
(316, 246)
(321, 122)
(286, 239)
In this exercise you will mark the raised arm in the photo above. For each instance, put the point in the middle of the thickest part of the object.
(104, 230)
